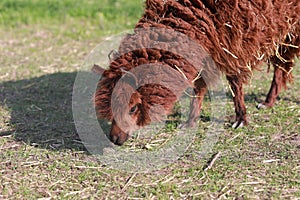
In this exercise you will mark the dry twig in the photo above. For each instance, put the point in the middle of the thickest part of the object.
(212, 161)
(128, 182)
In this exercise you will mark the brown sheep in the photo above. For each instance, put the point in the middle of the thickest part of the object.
(239, 35)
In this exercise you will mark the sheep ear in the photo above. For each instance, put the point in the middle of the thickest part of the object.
(131, 79)
(97, 69)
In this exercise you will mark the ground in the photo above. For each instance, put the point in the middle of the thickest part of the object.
(42, 157)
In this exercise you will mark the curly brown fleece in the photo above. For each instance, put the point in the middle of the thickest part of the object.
(238, 34)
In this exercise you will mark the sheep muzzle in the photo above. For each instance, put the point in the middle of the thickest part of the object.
(116, 135)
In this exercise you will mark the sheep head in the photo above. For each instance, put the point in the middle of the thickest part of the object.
(136, 98)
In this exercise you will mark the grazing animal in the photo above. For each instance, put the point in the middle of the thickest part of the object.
(239, 35)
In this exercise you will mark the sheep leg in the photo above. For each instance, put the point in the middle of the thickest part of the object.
(196, 103)
(282, 73)
(276, 87)
(239, 102)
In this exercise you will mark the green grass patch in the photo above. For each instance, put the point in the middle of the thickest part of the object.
(78, 17)
(18, 12)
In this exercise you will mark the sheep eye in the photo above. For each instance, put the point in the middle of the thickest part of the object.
(133, 109)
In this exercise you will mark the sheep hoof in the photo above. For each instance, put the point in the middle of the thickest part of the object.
(261, 106)
(186, 125)
(181, 126)
(238, 124)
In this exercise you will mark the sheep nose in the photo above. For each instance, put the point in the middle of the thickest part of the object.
(118, 140)
(117, 136)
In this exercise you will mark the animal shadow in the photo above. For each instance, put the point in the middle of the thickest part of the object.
(41, 111)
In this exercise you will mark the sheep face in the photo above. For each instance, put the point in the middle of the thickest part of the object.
(125, 116)
(149, 103)
(145, 94)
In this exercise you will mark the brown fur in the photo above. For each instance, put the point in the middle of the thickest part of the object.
(238, 34)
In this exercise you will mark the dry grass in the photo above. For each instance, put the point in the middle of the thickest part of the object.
(41, 155)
